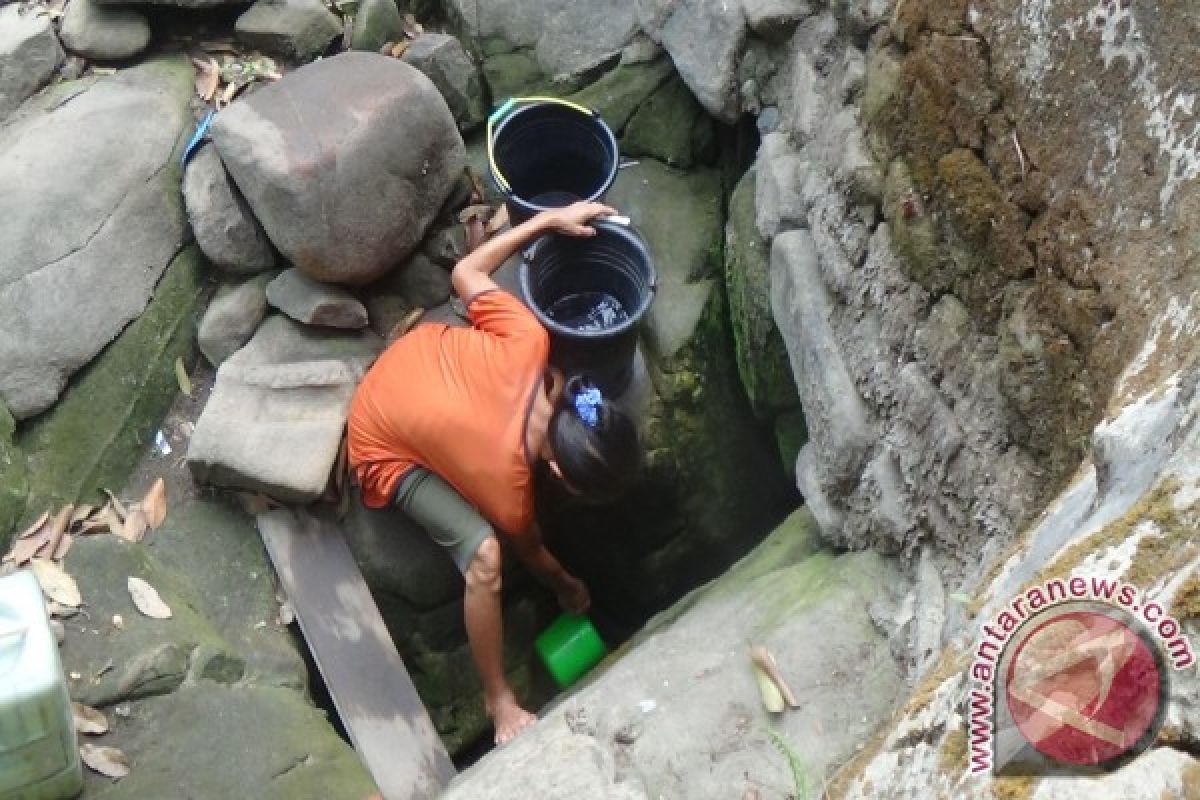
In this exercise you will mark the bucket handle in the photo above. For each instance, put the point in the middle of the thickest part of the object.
(504, 110)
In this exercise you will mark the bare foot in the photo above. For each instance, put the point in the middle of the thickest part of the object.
(508, 717)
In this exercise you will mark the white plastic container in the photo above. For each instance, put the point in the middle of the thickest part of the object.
(39, 759)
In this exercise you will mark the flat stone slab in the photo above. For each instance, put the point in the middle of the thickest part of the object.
(313, 303)
(278, 409)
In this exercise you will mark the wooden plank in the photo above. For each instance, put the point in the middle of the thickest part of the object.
(370, 686)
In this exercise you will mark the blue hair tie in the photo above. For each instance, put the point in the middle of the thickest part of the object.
(587, 405)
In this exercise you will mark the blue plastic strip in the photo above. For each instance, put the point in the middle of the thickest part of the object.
(502, 111)
(199, 136)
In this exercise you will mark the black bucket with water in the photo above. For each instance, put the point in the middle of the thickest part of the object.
(547, 153)
(591, 293)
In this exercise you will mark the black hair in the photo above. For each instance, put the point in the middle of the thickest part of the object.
(598, 461)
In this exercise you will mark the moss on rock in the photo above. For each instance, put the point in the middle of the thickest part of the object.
(105, 420)
(619, 93)
(14, 479)
(762, 358)
(672, 127)
(515, 74)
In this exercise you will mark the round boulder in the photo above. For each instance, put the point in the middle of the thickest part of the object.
(345, 162)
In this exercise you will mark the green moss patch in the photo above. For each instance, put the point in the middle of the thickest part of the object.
(105, 421)
(619, 93)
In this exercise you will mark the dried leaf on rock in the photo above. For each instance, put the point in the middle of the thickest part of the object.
(398, 49)
(108, 761)
(117, 505)
(35, 527)
(154, 504)
(58, 528)
(28, 546)
(135, 526)
(477, 211)
(412, 28)
(81, 514)
(55, 582)
(88, 720)
(146, 598)
(181, 377)
(476, 235)
(208, 77)
(59, 610)
(64, 547)
(227, 96)
(477, 192)
(498, 221)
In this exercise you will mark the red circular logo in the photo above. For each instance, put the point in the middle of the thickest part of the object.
(1084, 687)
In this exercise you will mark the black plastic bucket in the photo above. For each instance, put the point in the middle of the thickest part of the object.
(560, 272)
(549, 154)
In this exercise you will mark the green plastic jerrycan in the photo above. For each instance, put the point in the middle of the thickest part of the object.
(569, 648)
(39, 759)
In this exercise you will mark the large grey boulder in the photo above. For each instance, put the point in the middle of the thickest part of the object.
(678, 714)
(444, 60)
(312, 303)
(232, 317)
(345, 162)
(103, 33)
(278, 408)
(89, 219)
(567, 39)
(29, 54)
(705, 40)
(299, 30)
(222, 222)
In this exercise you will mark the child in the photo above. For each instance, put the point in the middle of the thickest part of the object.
(450, 423)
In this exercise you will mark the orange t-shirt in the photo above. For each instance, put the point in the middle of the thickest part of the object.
(455, 401)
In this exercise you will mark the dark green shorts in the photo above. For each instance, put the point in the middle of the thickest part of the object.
(445, 514)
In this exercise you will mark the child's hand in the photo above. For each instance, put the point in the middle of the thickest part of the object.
(571, 219)
(573, 596)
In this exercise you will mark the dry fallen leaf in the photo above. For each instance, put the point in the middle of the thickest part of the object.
(59, 610)
(117, 505)
(405, 325)
(55, 582)
(58, 528)
(477, 211)
(412, 28)
(64, 547)
(182, 378)
(208, 77)
(135, 526)
(88, 720)
(498, 221)
(28, 547)
(108, 761)
(477, 193)
(108, 519)
(227, 96)
(154, 504)
(146, 598)
(476, 235)
(81, 514)
(398, 49)
(35, 527)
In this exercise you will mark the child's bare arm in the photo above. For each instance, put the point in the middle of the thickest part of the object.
(473, 274)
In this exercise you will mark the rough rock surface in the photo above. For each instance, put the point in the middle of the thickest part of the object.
(106, 419)
(213, 698)
(376, 22)
(277, 410)
(95, 31)
(686, 678)
(232, 317)
(345, 162)
(299, 30)
(90, 220)
(562, 37)
(444, 60)
(705, 40)
(312, 303)
(29, 54)
(1129, 514)
(222, 222)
